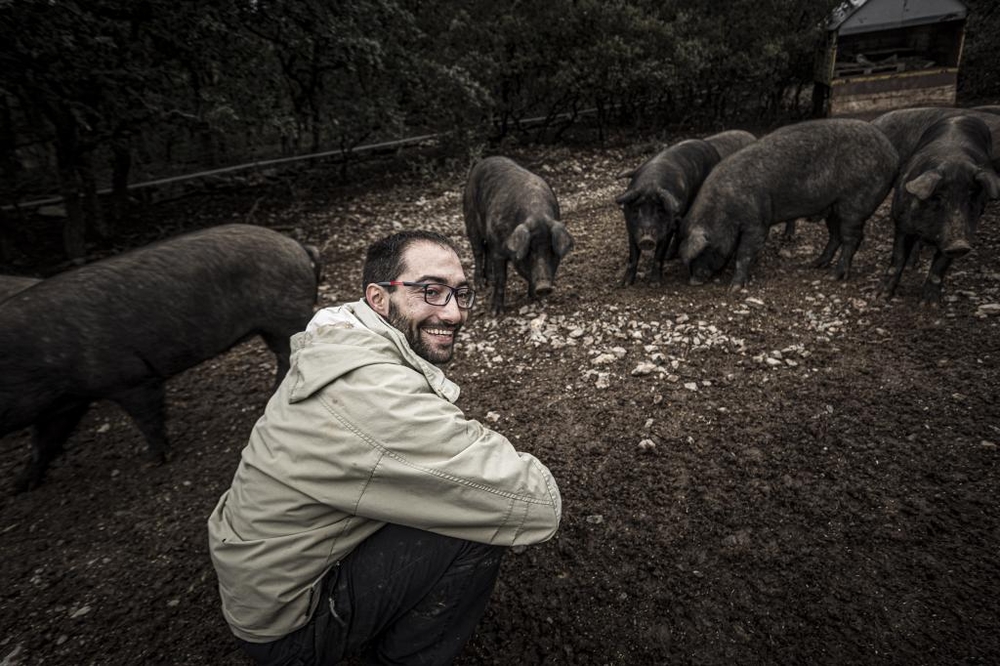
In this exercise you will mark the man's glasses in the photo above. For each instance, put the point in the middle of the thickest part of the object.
(438, 294)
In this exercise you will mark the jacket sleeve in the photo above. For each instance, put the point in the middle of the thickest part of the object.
(428, 466)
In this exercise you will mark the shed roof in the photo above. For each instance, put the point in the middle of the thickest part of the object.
(855, 16)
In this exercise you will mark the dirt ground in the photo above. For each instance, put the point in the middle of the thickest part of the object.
(792, 474)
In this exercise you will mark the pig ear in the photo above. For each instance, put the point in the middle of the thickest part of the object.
(923, 185)
(670, 202)
(990, 183)
(518, 242)
(693, 245)
(562, 242)
(628, 197)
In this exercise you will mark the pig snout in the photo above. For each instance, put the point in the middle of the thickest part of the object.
(543, 287)
(957, 248)
(647, 242)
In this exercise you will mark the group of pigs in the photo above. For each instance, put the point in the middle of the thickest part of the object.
(118, 328)
(713, 200)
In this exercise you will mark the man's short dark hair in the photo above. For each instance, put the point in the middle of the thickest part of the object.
(384, 260)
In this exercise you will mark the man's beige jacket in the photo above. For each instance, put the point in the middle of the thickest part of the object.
(361, 432)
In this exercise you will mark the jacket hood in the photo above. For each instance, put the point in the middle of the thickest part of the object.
(341, 339)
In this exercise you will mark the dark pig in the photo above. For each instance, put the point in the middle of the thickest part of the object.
(12, 284)
(939, 197)
(512, 215)
(118, 328)
(840, 169)
(660, 192)
(728, 142)
(905, 127)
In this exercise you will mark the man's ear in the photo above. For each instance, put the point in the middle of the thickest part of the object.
(378, 298)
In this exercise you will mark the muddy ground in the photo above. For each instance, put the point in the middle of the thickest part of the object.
(792, 474)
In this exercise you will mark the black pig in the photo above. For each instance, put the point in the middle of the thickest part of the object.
(511, 214)
(12, 284)
(840, 169)
(728, 142)
(939, 197)
(906, 127)
(119, 328)
(660, 192)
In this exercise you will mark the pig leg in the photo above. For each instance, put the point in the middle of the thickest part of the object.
(479, 252)
(751, 243)
(915, 255)
(935, 279)
(852, 232)
(48, 435)
(659, 256)
(789, 234)
(902, 247)
(145, 404)
(675, 246)
(498, 273)
(279, 343)
(633, 262)
(832, 244)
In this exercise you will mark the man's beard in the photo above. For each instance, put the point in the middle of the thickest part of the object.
(412, 333)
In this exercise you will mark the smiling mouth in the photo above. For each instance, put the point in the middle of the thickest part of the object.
(441, 332)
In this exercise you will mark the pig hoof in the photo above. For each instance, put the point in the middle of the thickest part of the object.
(155, 458)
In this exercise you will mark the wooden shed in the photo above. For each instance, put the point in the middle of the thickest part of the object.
(886, 54)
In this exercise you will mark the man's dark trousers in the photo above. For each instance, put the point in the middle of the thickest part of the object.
(403, 596)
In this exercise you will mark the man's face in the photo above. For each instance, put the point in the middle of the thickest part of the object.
(431, 330)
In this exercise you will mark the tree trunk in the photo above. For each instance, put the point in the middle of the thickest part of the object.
(67, 152)
(121, 164)
(92, 215)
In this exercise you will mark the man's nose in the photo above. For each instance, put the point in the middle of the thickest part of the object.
(450, 311)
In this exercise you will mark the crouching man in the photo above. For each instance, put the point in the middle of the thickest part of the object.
(368, 516)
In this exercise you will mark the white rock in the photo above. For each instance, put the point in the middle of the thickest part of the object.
(989, 309)
(492, 417)
(647, 445)
(603, 359)
(691, 386)
(603, 380)
(80, 613)
(754, 302)
(643, 369)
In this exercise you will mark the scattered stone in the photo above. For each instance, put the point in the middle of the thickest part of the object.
(691, 386)
(595, 519)
(754, 302)
(989, 309)
(643, 369)
(79, 613)
(647, 445)
(603, 380)
(492, 417)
